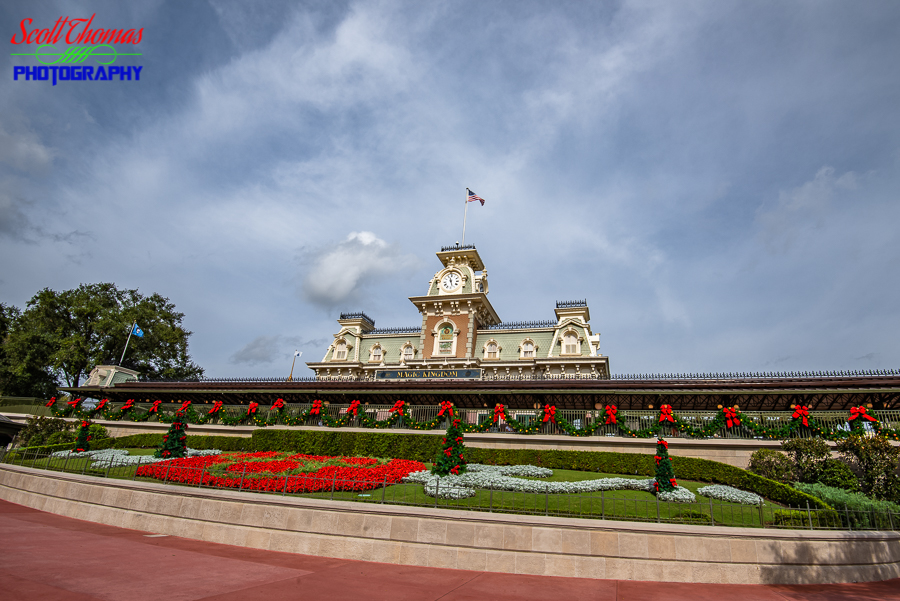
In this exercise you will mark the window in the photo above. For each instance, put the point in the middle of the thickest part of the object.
(446, 340)
(570, 344)
(407, 353)
(376, 354)
(528, 350)
(492, 349)
(340, 351)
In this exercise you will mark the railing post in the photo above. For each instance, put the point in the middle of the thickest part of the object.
(244, 473)
(712, 519)
(546, 499)
(202, 473)
(437, 489)
(847, 513)
(762, 520)
(168, 467)
(657, 509)
(33, 461)
(491, 499)
(66, 462)
(109, 467)
(809, 515)
(332, 485)
(383, 489)
(602, 506)
(284, 489)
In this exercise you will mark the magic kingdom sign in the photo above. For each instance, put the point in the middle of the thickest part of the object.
(427, 374)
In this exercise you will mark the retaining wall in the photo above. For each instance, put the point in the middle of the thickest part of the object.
(463, 539)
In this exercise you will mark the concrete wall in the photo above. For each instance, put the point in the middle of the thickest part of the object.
(463, 539)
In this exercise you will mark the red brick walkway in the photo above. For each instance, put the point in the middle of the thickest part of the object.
(48, 557)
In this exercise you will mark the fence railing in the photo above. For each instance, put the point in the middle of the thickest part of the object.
(597, 505)
(634, 419)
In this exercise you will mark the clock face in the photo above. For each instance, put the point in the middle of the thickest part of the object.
(451, 281)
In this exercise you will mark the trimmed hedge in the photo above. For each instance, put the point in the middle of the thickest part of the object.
(149, 441)
(420, 447)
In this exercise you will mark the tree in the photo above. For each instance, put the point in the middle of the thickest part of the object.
(175, 441)
(65, 334)
(451, 458)
(22, 363)
(665, 473)
(809, 455)
(875, 461)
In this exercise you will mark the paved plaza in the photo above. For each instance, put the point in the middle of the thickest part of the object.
(46, 557)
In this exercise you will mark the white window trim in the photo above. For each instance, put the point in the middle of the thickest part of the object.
(562, 343)
(484, 350)
(335, 346)
(534, 349)
(403, 348)
(372, 358)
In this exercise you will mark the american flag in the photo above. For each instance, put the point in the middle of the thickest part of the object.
(473, 197)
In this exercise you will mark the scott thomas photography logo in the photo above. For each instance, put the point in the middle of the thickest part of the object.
(59, 51)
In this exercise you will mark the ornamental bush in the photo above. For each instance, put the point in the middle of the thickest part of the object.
(808, 455)
(451, 458)
(874, 460)
(837, 474)
(773, 465)
(83, 442)
(38, 430)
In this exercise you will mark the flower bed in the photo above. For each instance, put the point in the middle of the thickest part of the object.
(501, 478)
(272, 471)
(730, 494)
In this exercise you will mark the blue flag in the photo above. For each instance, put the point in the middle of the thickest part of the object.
(137, 331)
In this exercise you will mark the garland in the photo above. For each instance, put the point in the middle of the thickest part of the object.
(667, 421)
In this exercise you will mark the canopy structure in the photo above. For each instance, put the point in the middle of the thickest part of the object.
(751, 393)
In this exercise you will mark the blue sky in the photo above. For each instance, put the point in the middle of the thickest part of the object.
(718, 179)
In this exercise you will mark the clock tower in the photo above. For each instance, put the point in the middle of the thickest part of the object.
(455, 307)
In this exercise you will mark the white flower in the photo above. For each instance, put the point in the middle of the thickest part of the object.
(730, 494)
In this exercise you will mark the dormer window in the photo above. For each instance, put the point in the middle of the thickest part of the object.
(570, 343)
(527, 349)
(492, 350)
(408, 353)
(340, 350)
(377, 354)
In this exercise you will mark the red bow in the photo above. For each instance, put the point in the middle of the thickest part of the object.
(353, 408)
(445, 406)
(657, 457)
(102, 404)
(731, 417)
(860, 412)
(549, 413)
(155, 406)
(215, 408)
(455, 470)
(448, 451)
(279, 403)
(128, 404)
(398, 406)
(663, 443)
(801, 412)
(665, 414)
(51, 402)
(185, 405)
(316, 408)
(498, 411)
(252, 407)
(611, 414)
(672, 482)
(73, 403)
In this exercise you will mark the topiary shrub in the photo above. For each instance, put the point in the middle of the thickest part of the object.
(808, 455)
(837, 474)
(773, 465)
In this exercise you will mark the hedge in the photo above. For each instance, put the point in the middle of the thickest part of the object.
(149, 441)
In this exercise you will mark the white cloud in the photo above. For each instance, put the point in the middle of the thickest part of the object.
(341, 273)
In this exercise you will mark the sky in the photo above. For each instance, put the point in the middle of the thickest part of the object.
(718, 179)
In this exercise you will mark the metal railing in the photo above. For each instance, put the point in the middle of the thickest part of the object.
(632, 418)
(596, 505)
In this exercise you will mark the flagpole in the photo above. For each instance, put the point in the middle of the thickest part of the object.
(291, 375)
(130, 332)
(465, 215)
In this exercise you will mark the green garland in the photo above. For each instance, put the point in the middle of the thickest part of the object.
(667, 423)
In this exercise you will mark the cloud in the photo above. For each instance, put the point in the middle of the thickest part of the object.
(269, 349)
(24, 151)
(341, 273)
(803, 207)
